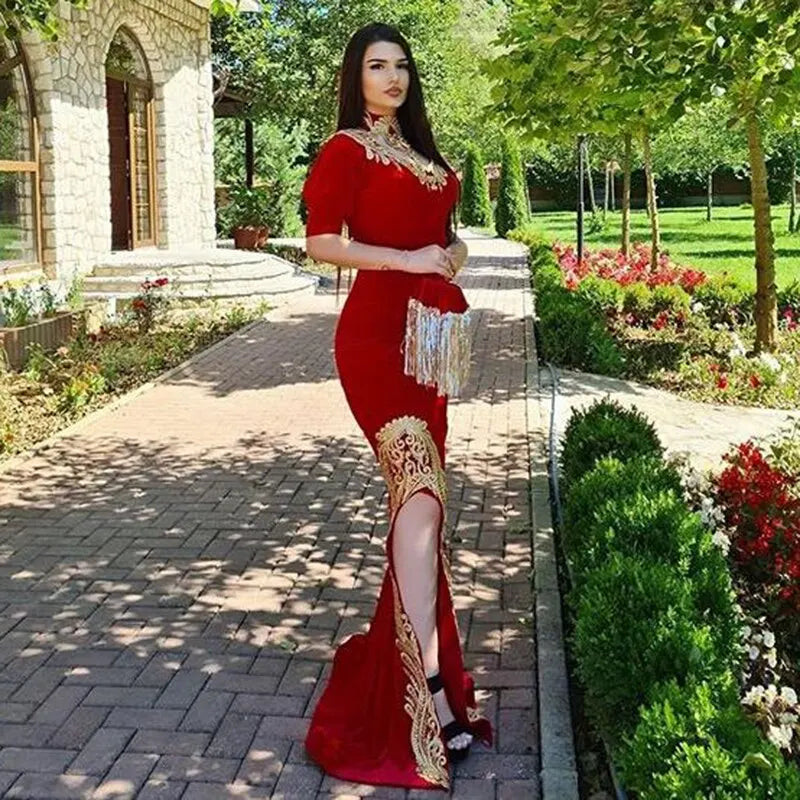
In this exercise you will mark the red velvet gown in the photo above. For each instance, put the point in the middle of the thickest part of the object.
(376, 722)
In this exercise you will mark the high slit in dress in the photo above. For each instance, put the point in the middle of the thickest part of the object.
(375, 721)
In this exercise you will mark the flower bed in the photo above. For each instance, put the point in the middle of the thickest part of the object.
(752, 506)
(656, 636)
(672, 327)
(55, 389)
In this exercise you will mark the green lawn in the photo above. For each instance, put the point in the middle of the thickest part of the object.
(723, 245)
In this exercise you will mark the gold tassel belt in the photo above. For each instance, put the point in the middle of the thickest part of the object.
(437, 347)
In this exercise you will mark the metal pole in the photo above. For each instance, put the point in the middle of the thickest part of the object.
(581, 170)
(248, 152)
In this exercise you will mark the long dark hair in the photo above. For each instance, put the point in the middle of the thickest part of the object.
(411, 116)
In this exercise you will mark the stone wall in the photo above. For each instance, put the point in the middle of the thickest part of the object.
(70, 90)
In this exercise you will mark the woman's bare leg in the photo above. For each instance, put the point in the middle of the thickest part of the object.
(416, 565)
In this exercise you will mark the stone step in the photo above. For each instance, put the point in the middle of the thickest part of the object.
(199, 272)
(129, 287)
(216, 284)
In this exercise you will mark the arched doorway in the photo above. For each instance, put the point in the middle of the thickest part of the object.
(20, 207)
(129, 99)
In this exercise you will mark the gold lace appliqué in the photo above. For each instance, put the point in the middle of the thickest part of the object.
(384, 143)
(426, 741)
(410, 461)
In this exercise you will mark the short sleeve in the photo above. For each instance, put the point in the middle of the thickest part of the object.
(330, 188)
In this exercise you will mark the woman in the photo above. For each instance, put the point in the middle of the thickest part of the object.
(398, 705)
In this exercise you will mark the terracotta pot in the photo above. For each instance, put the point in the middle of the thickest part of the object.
(50, 333)
(250, 237)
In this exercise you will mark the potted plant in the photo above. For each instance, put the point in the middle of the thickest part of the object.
(28, 317)
(254, 213)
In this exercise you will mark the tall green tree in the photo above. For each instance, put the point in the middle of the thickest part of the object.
(476, 208)
(512, 209)
(286, 59)
(700, 143)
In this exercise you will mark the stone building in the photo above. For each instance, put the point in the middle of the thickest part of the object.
(106, 136)
(107, 163)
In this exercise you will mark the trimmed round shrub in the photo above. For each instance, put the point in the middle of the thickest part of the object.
(636, 626)
(605, 428)
(603, 295)
(673, 299)
(612, 482)
(694, 742)
(725, 301)
(638, 300)
(656, 524)
(572, 335)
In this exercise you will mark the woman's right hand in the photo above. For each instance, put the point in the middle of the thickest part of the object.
(430, 259)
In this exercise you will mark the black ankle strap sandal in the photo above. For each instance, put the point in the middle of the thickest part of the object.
(452, 729)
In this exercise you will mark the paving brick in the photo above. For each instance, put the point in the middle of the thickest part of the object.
(182, 690)
(79, 726)
(213, 791)
(35, 759)
(297, 780)
(39, 786)
(59, 705)
(196, 768)
(207, 711)
(162, 790)
(164, 719)
(100, 752)
(126, 776)
(176, 743)
(234, 735)
(134, 697)
(264, 762)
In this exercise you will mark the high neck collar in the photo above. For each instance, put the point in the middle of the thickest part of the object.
(381, 123)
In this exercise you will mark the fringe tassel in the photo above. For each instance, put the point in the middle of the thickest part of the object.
(437, 347)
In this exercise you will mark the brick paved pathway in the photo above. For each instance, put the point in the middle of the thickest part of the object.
(175, 575)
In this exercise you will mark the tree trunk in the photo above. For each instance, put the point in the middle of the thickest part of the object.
(613, 188)
(605, 191)
(626, 197)
(793, 198)
(766, 301)
(710, 195)
(589, 177)
(652, 202)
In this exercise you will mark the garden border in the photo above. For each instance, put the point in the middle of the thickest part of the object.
(558, 769)
(19, 459)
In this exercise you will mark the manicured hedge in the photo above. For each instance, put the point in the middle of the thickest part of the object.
(656, 637)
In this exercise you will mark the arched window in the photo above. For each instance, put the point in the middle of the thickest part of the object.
(20, 216)
(129, 97)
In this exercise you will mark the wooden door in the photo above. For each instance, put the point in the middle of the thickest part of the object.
(119, 149)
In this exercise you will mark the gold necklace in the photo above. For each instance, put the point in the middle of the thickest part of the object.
(384, 142)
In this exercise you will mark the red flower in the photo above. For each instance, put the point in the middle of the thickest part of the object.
(755, 381)
(722, 381)
(661, 320)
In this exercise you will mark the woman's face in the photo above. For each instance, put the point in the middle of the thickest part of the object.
(384, 77)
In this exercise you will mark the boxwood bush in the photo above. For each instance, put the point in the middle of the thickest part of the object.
(694, 742)
(636, 626)
(605, 428)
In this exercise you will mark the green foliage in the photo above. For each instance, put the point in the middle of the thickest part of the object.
(512, 209)
(603, 429)
(638, 300)
(603, 295)
(641, 615)
(724, 300)
(673, 299)
(254, 207)
(286, 61)
(17, 16)
(693, 742)
(476, 208)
